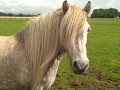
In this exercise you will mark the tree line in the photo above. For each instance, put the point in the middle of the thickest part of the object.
(105, 13)
(97, 13)
(19, 15)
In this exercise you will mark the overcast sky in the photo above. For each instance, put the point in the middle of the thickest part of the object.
(40, 6)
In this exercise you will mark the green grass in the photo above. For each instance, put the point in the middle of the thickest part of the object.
(103, 49)
(11, 26)
(104, 52)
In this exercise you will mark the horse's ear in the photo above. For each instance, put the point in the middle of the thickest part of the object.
(65, 6)
(87, 8)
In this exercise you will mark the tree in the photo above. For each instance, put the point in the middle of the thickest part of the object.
(119, 14)
(2, 14)
(94, 14)
(105, 13)
(9, 14)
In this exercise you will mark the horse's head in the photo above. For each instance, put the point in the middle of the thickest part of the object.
(75, 30)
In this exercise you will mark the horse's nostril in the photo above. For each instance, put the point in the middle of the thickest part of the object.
(75, 65)
(78, 68)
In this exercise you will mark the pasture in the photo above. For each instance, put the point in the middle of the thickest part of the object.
(103, 50)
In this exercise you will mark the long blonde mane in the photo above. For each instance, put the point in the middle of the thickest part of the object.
(48, 34)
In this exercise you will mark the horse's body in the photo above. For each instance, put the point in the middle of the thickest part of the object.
(15, 70)
(14, 67)
(29, 60)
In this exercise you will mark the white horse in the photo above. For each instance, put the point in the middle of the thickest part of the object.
(29, 59)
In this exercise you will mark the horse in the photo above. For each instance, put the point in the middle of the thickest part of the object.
(29, 59)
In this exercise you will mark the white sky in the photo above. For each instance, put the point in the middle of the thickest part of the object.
(40, 6)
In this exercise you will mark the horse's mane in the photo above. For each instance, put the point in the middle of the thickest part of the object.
(48, 34)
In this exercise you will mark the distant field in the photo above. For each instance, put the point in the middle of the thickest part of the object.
(15, 17)
(103, 51)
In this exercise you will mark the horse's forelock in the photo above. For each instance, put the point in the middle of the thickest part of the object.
(72, 24)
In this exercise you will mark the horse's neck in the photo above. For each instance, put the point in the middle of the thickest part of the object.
(51, 72)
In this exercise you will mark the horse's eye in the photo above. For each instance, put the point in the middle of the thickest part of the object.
(89, 29)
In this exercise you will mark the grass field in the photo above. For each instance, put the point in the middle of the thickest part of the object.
(103, 49)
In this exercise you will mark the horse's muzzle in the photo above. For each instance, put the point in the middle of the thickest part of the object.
(78, 69)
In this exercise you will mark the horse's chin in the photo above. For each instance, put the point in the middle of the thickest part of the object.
(80, 72)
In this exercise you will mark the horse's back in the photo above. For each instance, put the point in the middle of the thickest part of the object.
(14, 68)
(7, 44)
